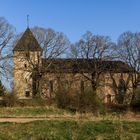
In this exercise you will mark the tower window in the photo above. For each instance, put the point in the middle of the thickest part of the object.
(25, 65)
(27, 93)
(27, 55)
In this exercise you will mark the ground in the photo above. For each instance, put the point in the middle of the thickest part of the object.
(70, 130)
(50, 123)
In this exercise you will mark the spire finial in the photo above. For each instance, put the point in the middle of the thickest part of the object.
(27, 21)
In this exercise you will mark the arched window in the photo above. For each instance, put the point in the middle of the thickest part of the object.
(108, 98)
(25, 65)
(121, 91)
(121, 87)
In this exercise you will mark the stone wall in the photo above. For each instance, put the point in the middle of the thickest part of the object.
(50, 82)
(23, 66)
(73, 82)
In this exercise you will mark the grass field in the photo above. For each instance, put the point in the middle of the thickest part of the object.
(67, 125)
(31, 111)
(70, 130)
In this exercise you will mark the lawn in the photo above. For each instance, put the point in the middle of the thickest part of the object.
(70, 130)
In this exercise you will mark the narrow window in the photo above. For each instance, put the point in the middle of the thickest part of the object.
(51, 86)
(82, 86)
(25, 65)
(27, 55)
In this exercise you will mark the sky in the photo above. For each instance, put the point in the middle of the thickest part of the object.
(74, 17)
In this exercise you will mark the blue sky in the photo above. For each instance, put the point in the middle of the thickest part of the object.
(75, 17)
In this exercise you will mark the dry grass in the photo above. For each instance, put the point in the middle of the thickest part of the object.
(54, 113)
(70, 130)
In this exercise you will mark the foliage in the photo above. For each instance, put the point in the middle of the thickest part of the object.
(67, 130)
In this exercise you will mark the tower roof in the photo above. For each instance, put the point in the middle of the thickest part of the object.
(27, 42)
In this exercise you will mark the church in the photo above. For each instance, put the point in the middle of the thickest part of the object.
(33, 73)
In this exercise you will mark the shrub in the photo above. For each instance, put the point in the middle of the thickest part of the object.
(87, 101)
(36, 101)
(61, 98)
(117, 107)
(136, 101)
(9, 100)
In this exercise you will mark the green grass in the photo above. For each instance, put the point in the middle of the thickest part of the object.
(30, 111)
(70, 130)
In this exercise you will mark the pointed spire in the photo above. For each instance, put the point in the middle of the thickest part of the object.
(27, 42)
(27, 21)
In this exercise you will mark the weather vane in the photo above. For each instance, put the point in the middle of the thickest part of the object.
(27, 21)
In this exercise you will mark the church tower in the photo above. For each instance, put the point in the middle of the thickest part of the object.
(27, 56)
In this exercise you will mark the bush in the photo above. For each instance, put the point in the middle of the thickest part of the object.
(61, 98)
(117, 107)
(38, 101)
(136, 101)
(87, 101)
(33, 102)
(9, 100)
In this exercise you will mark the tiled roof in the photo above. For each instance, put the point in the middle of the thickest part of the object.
(83, 65)
(27, 42)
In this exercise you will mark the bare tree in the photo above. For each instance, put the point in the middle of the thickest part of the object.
(6, 38)
(53, 44)
(128, 51)
(94, 50)
(120, 85)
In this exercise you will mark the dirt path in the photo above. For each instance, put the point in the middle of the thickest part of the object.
(30, 119)
(20, 120)
(63, 118)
